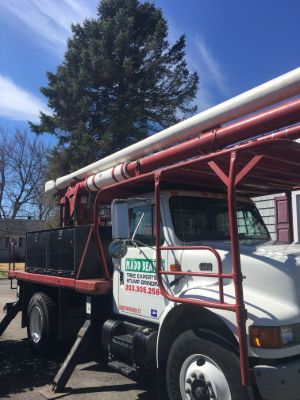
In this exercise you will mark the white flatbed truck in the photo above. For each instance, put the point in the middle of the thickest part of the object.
(164, 259)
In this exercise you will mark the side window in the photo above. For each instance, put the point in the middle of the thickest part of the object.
(145, 217)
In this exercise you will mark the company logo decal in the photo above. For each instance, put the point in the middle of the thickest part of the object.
(142, 265)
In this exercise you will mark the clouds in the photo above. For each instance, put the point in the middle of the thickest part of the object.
(200, 57)
(210, 66)
(49, 21)
(18, 104)
(213, 83)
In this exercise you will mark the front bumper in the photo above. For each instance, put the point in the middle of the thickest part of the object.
(278, 382)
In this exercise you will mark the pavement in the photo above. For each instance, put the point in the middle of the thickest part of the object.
(23, 375)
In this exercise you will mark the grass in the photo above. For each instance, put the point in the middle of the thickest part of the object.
(4, 267)
(3, 275)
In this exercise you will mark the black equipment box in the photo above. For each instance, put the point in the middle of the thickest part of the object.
(59, 252)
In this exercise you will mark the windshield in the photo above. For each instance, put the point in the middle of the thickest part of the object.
(197, 218)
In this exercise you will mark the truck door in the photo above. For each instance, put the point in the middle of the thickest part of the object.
(138, 291)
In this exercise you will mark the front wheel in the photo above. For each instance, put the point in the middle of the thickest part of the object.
(198, 369)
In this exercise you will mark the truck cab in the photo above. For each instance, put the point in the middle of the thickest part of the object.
(187, 218)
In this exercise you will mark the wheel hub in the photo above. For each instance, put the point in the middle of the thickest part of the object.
(199, 388)
(202, 379)
(35, 323)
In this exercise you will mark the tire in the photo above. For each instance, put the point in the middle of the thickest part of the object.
(201, 369)
(41, 323)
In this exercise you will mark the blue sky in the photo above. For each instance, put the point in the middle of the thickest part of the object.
(233, 45)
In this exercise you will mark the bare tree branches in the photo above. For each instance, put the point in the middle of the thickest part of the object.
(23, 163)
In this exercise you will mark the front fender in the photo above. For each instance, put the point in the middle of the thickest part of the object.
(178, 317)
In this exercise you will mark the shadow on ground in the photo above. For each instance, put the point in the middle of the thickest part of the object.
(22, 371)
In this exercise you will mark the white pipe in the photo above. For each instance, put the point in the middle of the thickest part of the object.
(107, 177)
(269, 93)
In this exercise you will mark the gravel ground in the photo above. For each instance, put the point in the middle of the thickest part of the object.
(23, 375)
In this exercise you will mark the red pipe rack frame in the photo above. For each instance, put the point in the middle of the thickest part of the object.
(252, 159)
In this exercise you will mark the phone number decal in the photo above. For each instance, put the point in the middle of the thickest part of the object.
(143, 289)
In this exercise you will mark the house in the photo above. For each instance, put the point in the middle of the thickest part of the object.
(14, 231)
(281, 214)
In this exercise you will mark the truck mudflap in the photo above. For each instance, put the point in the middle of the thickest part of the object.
(278, 382)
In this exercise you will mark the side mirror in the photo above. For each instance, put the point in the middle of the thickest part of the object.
(117, 249)
(120, 220)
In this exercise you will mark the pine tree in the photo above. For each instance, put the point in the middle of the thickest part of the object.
(120, 81)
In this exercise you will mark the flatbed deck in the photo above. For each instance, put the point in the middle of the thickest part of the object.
(87, 286)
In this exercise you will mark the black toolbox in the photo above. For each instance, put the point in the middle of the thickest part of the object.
(59, 252)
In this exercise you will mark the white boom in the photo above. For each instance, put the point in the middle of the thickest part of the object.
(264, 95)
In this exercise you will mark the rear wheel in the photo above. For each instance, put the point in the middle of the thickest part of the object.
(41, 323)
(198, 369)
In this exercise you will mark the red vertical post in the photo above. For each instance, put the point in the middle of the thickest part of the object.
(98, 239)
(157, 229)
(237, 273)
(86, 246)
(61, 214)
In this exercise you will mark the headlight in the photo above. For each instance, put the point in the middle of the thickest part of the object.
(271, 337)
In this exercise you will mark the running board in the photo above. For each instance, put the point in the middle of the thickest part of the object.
(12, 310)
(123, 368)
